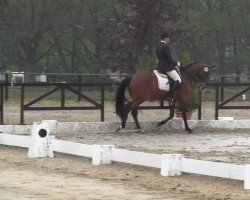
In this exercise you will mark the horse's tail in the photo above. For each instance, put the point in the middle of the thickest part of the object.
(120, 97)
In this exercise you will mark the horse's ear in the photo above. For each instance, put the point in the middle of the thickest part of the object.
(212, 66)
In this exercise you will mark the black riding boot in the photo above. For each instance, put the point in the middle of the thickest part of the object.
(170, 96)
(175, 86)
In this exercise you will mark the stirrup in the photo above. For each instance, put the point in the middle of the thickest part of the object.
(170, 97)
(170, 100)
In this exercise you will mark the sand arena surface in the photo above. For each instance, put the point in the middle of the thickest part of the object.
(231, 146)
(73, 177)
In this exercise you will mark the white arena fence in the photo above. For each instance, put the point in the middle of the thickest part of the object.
(41, 144)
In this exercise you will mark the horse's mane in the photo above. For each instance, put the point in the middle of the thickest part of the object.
(186, 67)
(189, 65)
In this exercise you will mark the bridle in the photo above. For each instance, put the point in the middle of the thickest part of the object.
(197, 80)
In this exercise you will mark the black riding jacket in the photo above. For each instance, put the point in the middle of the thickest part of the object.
(165, 61)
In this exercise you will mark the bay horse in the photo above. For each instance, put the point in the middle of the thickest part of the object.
(143, 86)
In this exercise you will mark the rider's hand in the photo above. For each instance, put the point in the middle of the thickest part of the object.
(178, 64)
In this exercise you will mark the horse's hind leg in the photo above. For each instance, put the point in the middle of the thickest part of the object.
(131, 106)
(125, 117)
(135, 114)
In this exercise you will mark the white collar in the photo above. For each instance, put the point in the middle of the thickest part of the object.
(163, 41)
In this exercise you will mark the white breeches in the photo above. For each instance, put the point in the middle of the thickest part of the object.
(174, 75)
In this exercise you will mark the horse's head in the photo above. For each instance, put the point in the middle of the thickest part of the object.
(203, 74)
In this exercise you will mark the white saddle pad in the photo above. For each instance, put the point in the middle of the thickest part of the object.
(163, 83)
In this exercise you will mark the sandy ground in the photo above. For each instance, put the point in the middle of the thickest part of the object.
(231, 146)
(12, 113)
(72, 177)
(22, 178)
(69, 177)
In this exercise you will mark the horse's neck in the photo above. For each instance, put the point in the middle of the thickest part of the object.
(189, 74)
(191, 71)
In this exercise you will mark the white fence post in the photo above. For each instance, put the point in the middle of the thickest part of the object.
(171, 164)
(101, 154)
(247, 177)
(52, 126)
(41, 141)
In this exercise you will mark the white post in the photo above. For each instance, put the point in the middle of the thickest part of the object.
(243, 97)
(247, 177)
(171, 164)
(101, 154)
(41, 141)
(52, 126)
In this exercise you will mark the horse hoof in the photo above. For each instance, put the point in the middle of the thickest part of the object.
(118, 129)
(140, 131)
(160, 123)
(190, 131)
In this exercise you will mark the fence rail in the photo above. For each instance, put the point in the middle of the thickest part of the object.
(220, 102)
(76, 89)
(61, 87)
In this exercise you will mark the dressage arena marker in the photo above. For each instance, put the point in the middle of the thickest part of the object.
(42, 143)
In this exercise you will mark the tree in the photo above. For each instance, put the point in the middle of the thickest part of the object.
(95, 36)
(134, 33)
(217, 32)
(23, 29)
(3, 3)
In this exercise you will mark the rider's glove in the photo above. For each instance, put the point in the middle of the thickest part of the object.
(178, 64)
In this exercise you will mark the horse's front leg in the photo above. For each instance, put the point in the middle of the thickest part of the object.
(184, 116)
(134, 114)
(171, 115)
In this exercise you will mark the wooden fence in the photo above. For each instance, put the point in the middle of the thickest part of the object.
(76, 89)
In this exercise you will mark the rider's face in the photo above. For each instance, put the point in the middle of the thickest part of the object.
(167, 39)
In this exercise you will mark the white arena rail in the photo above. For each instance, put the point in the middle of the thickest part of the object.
(136, 158)
(209, 168)
(40, 144)
(15, 140)
(72, 148)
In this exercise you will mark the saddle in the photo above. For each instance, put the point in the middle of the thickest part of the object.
(163, 81)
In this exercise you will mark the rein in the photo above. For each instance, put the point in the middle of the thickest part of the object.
(196, 79)
(189, 74)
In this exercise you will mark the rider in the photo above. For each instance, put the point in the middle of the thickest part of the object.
(166, 64)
